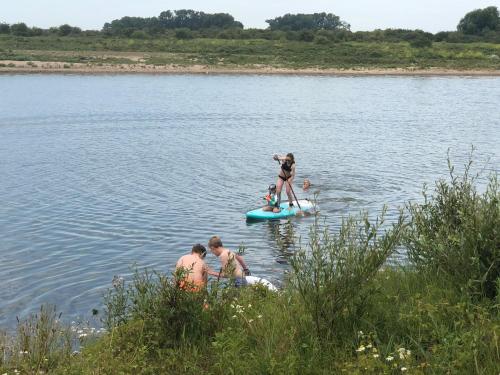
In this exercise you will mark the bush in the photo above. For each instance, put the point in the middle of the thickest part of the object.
(321, 39)
(306, 36)
(168, 313)
(4, 28)
(335, 274)
(183, 34)
(19, 29)
(455, 233)
(139, 34)
(421, 41)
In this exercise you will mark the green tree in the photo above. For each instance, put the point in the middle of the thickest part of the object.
(19, 29)
(139, 34)
(480, 21)
(36, 31)
(4, 28)
(64, 30)
(183, 33)
(316, 21)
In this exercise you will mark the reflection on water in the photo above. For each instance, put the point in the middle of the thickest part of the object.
(100, 173)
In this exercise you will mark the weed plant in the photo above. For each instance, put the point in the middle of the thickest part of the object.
(455, 233)
(334, 274)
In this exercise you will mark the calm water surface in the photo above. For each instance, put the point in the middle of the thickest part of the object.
(98, 173)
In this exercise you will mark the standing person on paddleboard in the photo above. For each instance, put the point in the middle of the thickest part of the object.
(232, 265)
(285, 176)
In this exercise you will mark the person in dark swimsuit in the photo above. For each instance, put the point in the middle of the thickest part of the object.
(285, 176)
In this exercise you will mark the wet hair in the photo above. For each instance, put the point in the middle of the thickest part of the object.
(215, 242)
(199, 249)
(290, 155)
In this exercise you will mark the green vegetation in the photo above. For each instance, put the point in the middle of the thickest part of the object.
(342, 308)
(480, 21)
(322, 53)
(316, 21)
(293, 41)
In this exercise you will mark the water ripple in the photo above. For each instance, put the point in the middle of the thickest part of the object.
(104, 174)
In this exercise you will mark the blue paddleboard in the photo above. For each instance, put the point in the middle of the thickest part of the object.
(286, 211)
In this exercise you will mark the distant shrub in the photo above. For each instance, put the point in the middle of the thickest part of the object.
(19, 29)
(4, 28)
(139, 34)
(321, 39)
(306, 36)
(36, 31)
(455, 234)
(421, 41)
(183, 33)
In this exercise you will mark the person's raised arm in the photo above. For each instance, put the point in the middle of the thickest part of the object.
(280, 158)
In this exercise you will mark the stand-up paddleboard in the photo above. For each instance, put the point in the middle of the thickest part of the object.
(253, 280)
(260, 214)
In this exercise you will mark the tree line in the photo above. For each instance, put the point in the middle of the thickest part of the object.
(477, 25)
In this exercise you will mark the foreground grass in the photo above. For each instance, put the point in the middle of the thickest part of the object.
(410, 326)
(250, 53)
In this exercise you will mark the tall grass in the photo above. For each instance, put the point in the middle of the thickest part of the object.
(253, 52)
(455, 233)
(334, 274)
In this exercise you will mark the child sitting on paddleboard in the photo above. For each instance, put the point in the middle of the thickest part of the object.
(270, 198)
(285, 176)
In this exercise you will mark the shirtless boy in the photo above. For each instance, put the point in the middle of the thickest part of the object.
(230, 262)
(195, 270)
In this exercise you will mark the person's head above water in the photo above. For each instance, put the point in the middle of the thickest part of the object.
(199, 249)
(214, 242)
(307, 184)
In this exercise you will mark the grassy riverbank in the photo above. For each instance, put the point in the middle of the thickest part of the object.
(93, 52)
(342, 309)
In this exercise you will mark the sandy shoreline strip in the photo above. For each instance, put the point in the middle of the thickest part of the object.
(44, 67)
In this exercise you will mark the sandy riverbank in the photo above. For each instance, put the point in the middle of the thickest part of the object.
(10, 66)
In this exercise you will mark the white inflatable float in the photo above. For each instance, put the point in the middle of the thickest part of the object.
(253, 280)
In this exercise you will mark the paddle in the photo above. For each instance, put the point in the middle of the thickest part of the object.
(291, 188)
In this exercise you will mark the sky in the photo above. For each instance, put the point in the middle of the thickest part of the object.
(427, 15)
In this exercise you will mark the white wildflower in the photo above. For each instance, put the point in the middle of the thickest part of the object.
(361, 349)
(369, 346)
(389, 359)
(403, 369)
(249, 305)
(250, 321)
(259, 316)
(376, 356)
(234, 317)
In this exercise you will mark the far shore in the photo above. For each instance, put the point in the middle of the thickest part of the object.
(41, 67)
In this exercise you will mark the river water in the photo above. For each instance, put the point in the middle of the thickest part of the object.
(100, 174)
